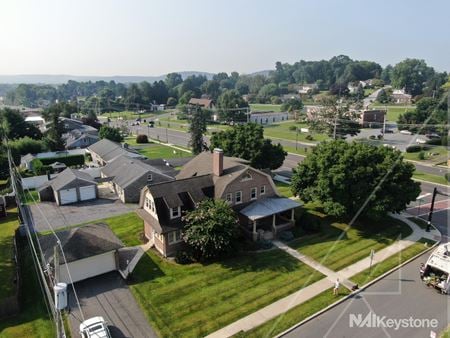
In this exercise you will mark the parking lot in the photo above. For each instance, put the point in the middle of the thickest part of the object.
(66, 215)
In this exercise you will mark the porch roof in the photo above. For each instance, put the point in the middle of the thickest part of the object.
(267, 207)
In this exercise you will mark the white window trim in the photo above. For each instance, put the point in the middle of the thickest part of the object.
(172, 240)
(249, 178)
(262, 190)
(230, 199)
(254, 189)
(236, 199)
(178, 213)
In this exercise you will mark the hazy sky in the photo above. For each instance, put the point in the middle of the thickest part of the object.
(153, 37)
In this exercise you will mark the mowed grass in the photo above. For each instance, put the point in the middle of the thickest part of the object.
(128, 227)
(295, 315)
(155, 150)
(420, 175)
(282, 131)
(393, 112)
(33, 320)
(195, 300)
(391, 262)
(434, 155)
(283, 188)
(336, 247)
(265, 107)
(8, 226)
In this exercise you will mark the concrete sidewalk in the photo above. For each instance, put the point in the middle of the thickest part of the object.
(285, 304)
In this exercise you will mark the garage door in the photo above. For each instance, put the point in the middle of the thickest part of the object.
(87, 193)
(88, 267)
(68, 196)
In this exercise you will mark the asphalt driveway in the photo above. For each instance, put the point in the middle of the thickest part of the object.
(65, 215)
(108, 296)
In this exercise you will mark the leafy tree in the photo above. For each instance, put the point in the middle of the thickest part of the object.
(382, 96)
(171, 102)
(247, 142)
(173, 80)
(196, 128)
(53, 135)
(267, 91)
(344, 176)
(110, 133)
(211, 229)
(292, 104)
(186, 97)
(334, 119)
(14, 125)
(229, 102)
(411, 74)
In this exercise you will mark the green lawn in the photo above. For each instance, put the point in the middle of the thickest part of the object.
(282, 131)
(300, 150)
(265, 107)
(31, 196)
(8, 226)
(128, 227)
(127, 115)
(434, 155)
(393, 112)
(155, 150)
(419, 221)
(194, 300)
(389, 263)
(336, 247)
(283, 188)
(294, 316)
(33, 321)
(419, 175)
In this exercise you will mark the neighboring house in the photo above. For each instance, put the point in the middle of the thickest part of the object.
(307, 88)
(204, 103)
(25, 160)
(127, 176)
(250, 192)
(400, 96)
(372, 118)
(286, 97)
(2, 206)
(105, 151)
(37, 121)
(89, 251)
(268, 117)
(77, 138)
(70, 186)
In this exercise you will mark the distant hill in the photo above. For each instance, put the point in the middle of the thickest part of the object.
(62, 78)
(58, 79)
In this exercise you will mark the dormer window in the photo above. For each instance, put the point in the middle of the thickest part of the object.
(149, 177)
(175, 212)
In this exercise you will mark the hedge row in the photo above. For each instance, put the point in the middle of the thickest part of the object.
(69, 161)
(416, 148)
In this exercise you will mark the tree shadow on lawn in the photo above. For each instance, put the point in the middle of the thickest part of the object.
(273, 260)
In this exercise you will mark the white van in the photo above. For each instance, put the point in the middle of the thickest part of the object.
(437, 269)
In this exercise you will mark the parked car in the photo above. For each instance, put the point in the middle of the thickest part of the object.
(433, 136)
(94, 327)
(387, 131)
(405, 132)
(421, 141)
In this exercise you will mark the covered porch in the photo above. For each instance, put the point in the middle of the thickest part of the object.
(265, 218)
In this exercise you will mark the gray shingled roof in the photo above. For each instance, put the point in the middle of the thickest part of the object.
(68, 176)
(82, 242)
(109, 150)
(202, 165)
(170, 191)
(126, 170)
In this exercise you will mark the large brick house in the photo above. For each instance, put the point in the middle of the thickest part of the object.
(250, 192)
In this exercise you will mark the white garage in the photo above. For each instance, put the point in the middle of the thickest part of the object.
(88, 192)
(70, 186)
(67, 196)
(90, 251)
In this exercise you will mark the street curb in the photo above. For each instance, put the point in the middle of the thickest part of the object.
(429, 182)
(362, 288)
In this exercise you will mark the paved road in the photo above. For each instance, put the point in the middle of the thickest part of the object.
(108, 296)
(399, 295)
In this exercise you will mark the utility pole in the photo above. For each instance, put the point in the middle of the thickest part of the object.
(430, 214)
(384, 125)
(296, 138)
(335, 126)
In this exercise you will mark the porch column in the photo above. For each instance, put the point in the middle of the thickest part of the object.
(274, 227)
(255, 235)
(292, 215)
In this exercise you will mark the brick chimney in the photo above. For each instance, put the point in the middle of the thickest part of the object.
(217, 162)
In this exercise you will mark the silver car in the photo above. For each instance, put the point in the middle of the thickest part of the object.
(94, 327)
